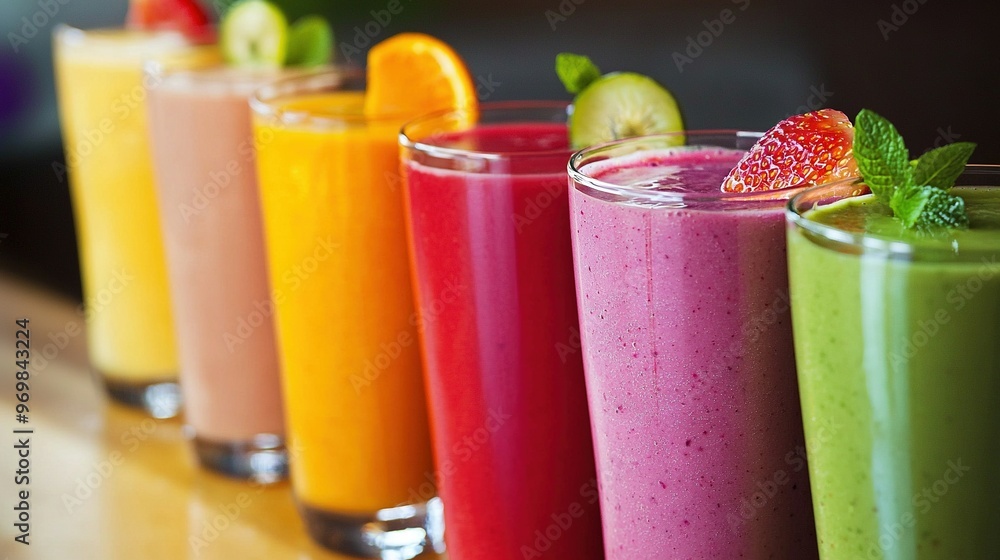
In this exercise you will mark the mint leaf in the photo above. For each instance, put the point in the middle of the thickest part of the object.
(943, 209)
(928, 206)
(941, 167)
(881, 155)
(907, 204)
(576, 71)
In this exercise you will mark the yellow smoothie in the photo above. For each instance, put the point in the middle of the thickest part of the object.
(347, 331)
(102, 105)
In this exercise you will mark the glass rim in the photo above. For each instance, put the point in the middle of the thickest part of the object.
(579, 160)
(73, 35)
(795, 214)
(241, 80)
(265, 100)
(443, 152)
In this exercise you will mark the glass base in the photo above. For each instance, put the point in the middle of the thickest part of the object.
(161, 399)
(263, 458)
(398, 533)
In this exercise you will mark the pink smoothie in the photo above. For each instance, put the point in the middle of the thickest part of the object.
(204, 160)
(690, 370)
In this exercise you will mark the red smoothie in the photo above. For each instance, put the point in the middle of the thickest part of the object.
(490, 240)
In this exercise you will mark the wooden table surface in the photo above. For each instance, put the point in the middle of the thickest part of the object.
(107, 482)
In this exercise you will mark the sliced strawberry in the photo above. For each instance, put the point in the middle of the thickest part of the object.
(186, 16)
(142, 14)
(805, 149)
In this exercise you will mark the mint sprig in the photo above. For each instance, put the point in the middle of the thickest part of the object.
(924, 205)
(917, 191)
(941, 167)
(881, 154)
(576, 71)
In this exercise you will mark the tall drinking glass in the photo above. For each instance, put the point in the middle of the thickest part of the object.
(209, 206)
(102, 106)
(896, 333)
(336, 245)
(493, 269)
(687, 346)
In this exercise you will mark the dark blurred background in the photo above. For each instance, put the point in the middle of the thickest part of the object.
(930, 66)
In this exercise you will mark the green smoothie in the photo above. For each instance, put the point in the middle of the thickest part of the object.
(897, 338)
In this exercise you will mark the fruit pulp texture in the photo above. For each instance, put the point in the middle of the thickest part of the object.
(338, 264)
(687, 348)
(102, 105)
(210, 210)
(494, 276)
(899, 370)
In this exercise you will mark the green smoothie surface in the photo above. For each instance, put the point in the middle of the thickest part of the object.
(867, 215)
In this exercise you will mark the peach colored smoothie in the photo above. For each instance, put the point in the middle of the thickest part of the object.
(204, 161)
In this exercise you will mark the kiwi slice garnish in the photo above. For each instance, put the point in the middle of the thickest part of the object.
(254, 33)
(622, 105)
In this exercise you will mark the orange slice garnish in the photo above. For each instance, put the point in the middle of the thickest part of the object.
(412, 73)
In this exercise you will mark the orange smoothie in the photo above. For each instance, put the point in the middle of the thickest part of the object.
(346, 326)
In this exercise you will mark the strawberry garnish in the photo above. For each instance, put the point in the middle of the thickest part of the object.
(804, 149)
(186, 16)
